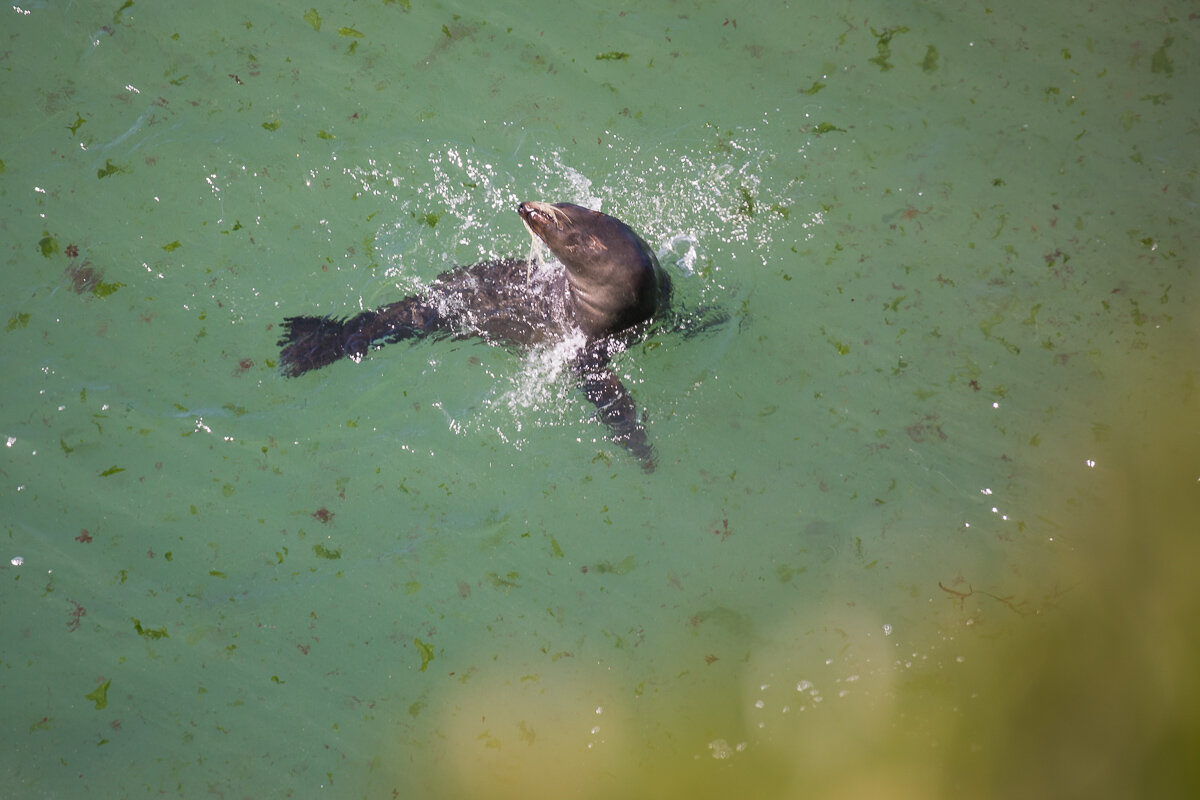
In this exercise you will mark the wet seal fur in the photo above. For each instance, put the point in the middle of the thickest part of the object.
(610, 287)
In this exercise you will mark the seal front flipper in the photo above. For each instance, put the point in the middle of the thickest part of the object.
(617, 409)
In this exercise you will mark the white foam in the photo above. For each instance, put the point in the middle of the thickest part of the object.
(538, 384)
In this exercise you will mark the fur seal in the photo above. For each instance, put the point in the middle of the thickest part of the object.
(609, 286)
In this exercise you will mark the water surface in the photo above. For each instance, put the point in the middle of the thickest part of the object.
(924, 502)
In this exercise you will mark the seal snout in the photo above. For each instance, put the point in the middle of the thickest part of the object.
(540, 215)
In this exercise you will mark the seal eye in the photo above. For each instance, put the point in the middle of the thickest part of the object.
(540, 218)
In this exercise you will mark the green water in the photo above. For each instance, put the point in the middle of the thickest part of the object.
(926, 504)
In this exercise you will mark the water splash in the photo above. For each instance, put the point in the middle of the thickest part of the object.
(711, 206)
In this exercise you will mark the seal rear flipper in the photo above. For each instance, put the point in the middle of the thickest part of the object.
(309, 343)
(313, 342)
(617, 409)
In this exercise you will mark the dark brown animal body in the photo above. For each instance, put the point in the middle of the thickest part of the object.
(610, 284)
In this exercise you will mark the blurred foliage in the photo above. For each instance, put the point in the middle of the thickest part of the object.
(1091, 695)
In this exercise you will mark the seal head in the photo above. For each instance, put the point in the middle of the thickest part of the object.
(613, 278)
